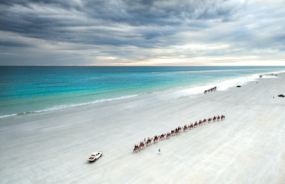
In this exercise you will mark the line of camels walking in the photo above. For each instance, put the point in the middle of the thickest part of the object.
(210, 90)
(174, 132)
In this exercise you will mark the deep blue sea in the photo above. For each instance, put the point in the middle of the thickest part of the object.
(25, 90)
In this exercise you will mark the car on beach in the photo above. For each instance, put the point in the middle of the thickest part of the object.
(95, 156)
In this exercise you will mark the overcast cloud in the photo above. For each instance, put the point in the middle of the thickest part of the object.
(142, 32)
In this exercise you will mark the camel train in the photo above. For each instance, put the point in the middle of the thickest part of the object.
(175, 132)
(210, 90)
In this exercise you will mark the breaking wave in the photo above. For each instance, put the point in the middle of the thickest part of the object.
(59, 107)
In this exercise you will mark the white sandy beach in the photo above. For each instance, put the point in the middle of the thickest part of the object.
(248, 147)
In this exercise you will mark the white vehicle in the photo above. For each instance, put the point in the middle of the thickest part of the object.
(95, 156)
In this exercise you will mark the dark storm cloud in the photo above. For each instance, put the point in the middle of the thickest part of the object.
(114, 27)
(37, 20)
(13, 44)
(27, 3)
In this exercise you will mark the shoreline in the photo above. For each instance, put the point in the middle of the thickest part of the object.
(222, 84)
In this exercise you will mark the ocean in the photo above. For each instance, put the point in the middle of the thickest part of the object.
(34, 89)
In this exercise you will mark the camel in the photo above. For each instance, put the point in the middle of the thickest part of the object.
(162, 136)
(136, 149)
(155, 139)
(148, 142)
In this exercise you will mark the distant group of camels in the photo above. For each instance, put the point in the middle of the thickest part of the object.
(174, 132)
(210, 90)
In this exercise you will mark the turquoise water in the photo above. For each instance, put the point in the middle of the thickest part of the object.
(36, 89)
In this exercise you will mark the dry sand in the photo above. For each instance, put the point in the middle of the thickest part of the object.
(248, 147)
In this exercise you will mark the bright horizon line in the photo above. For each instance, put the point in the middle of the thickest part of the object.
(137, 65)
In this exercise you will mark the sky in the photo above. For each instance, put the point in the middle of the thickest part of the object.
(142, 32)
